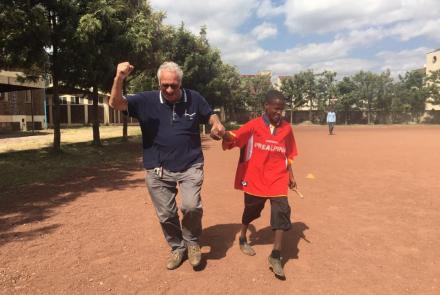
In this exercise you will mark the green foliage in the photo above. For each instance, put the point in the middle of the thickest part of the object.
(326, 88)
(37, 36)
(433, 87)
(346, 98)
(253, 89)
(410, 95)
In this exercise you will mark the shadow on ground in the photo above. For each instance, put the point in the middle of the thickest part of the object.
(19, 134)
(290, 241)
(37, 202)
(220, 238)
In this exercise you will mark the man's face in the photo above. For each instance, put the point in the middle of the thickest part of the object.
(274, 110)
(170, 85)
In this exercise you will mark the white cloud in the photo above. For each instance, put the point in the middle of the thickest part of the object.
(402, 61)
(345, 66)
(227, 15)
(305, 17)
(265, 30)
(266, 9)
(346, 25)
(408, 30)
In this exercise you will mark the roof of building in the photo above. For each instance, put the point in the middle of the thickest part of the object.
(433, 51)
(10, 81)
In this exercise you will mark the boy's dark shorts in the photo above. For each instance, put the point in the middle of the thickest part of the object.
(279, 211)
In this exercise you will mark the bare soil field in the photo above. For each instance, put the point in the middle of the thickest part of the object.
(369, 224)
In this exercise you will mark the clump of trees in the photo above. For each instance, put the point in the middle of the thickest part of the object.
(79, 43)
(376, 96)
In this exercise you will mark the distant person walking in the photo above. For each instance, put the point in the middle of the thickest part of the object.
(169, 119)
(331, 121)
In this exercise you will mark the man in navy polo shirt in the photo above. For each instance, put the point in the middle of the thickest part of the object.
(172, 155)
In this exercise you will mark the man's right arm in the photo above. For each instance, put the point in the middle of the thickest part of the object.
(117, 101)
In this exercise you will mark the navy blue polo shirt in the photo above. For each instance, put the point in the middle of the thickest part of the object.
(170, 132)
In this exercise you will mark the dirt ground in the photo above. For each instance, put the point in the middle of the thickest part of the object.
(369, 224)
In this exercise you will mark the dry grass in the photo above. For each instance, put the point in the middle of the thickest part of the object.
(43, 139)
(27, 159)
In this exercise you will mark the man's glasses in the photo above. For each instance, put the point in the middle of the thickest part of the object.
(173, 86)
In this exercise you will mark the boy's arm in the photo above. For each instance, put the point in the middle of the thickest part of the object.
(239, 137)
(292, 181)
(228, 140)
(291, 152)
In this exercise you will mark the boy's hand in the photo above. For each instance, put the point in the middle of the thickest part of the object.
(292, 183)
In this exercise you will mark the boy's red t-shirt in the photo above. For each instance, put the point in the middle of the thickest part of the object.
(262, 167)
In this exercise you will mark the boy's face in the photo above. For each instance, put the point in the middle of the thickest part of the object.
(274, 110)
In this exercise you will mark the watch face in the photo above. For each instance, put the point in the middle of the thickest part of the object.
(434, 59)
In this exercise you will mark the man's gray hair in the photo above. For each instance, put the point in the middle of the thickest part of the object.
(170, 67)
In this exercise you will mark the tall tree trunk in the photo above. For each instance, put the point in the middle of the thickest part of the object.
(369, 113)
(310, 111)
(96, 137)
(56, 116)
(55, 97)
(291, 111)
(222, 114)
(124, 117)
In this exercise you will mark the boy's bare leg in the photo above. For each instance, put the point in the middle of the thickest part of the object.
(277, 244)
(275, 257)
(244, 228)
(244, 246)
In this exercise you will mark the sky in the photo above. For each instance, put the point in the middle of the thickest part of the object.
(288, 36)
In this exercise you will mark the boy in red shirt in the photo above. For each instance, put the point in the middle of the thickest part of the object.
(264, 172)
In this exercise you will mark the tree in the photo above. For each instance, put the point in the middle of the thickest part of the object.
(37, 36)
(326, 89)
(253, 89)
(411, 95)
(292, 88)
(365, 90)
(228, 87)
(384, 94)
(100, 43)
(346, 98)
(434, 86)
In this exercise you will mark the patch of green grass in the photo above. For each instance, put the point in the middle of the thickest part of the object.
(42, 166)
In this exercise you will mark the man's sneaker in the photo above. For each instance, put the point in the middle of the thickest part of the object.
(246, 248)
(175, 260)
(194, 255)
(276, 266)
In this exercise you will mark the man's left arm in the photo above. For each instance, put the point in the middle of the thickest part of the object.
(217, 128)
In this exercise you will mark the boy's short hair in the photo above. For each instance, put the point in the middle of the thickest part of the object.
(272, 95)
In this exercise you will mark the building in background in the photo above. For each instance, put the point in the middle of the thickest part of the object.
(22, 104)
(432, 64)
(76, 109)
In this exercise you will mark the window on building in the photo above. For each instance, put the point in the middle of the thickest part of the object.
(3, 96)
(75, 99)
(434, 59)
(28, 95)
